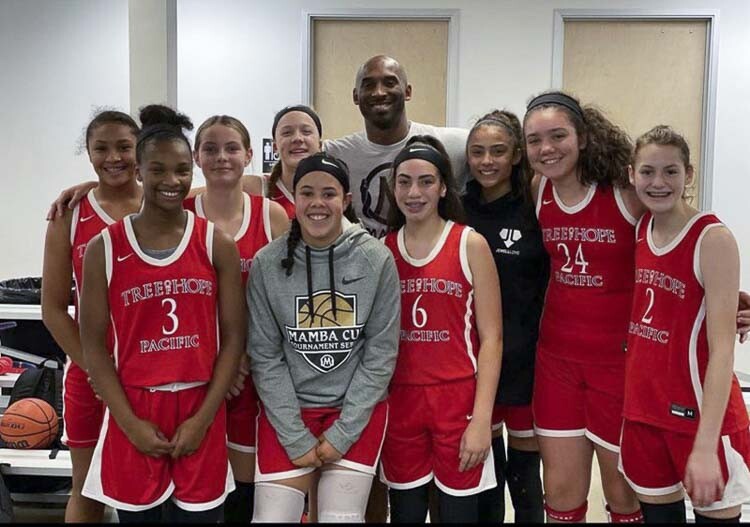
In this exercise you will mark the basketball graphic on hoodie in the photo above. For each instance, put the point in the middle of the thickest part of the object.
(325, 329)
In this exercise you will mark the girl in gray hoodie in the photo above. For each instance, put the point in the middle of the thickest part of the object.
(323, 339)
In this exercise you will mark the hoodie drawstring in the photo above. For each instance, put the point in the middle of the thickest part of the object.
(308, 266)
(331, 280)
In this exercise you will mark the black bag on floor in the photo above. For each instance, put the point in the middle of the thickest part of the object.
(42, 382)
(6, 504)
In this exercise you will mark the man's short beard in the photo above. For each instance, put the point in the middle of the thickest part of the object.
(389, 120)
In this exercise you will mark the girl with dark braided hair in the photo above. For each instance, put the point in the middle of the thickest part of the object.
(323, 340)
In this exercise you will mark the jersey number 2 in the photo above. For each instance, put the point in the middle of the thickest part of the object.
(647, 316)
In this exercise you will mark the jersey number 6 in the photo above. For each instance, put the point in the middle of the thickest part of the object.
(418, 315)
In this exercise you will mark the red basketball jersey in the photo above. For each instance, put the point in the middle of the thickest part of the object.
(439, 341)
(254, 233)
(667, 344)
(163, 311)
(281, 195)
(89, 218)
(590, 289)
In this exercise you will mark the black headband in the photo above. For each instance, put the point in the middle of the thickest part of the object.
(495, 121)
(556, 98)
(322, 162)
(298, 108)
(424, 152)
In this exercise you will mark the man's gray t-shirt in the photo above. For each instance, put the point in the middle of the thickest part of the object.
(369, 166)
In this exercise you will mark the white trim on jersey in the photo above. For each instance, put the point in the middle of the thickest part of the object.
(368, 470)
(229, 486)
(693, 355)
(199, 206)
(638, 227)
(288, 195)
(697, 253)
(276, 476)
(601, 442)
(116, 344)
(74, 223)
(247, 209)
(210, 241)
(486, 482)
(200, 211)
(107, 239)
(623, 208)
(578, 207)
(542, 185)
(241, 448)
(133, 241)
(264, 190)
(737, 488)
(421, 262)
(646, 491)
(267, 218)
(106, 218)
(408, 485)
(66, 368)
(547, 432)
(661, 251)
(468, 329)
(93, 488)
(464, 255)
(512, 432)
(520, 433)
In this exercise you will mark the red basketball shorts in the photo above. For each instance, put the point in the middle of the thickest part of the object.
(242, 412)
(272, 462)
(519, 420)
(124, 478)
(83, 413)
(574, 399)
(424, 438)
(653, 462)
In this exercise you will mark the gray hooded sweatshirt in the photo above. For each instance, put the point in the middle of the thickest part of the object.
(323, 354)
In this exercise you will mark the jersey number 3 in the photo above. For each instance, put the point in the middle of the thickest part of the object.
(171, 316)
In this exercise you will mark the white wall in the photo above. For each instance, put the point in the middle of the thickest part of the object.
(244, 57)
(58, 60)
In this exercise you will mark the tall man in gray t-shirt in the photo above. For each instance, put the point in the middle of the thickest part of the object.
(381, 91)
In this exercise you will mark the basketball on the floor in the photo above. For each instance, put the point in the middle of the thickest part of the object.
(29, 423)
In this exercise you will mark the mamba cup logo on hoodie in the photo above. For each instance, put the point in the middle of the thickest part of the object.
(325, 336)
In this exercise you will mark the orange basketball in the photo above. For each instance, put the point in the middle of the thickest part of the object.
(29, 423)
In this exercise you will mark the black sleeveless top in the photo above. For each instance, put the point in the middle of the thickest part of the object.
(509, 225)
